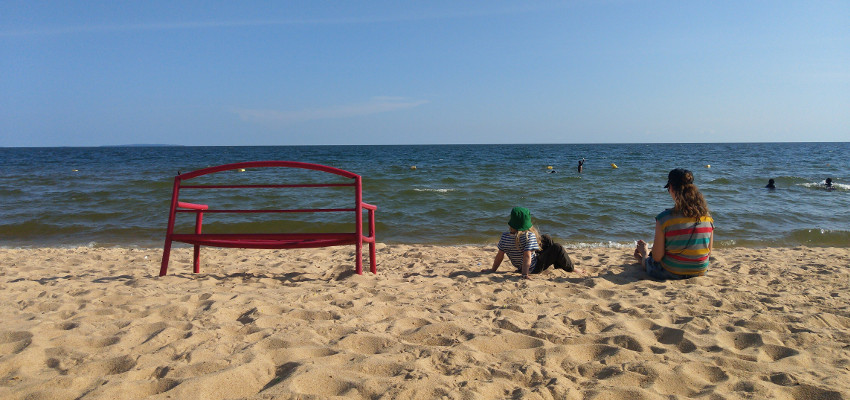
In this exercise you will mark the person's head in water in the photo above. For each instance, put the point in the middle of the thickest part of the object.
(770, 184)
(687, 197)
(828, 182)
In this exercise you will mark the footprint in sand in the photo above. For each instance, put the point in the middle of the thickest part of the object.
(367, 344)
(584, 353)
(504, 342)
(384, 368)
(590, 325)
(111, 366)
(139, 389)
(403, 325)
(299, 349)
(782, 379)
(676, 337)
(323, 384)
(67, 326)
(13, 342)
(804, 391)
(710, 373)
(740, 340)
(437, 334)
(143, 333)
(101, 342)
(627, 342)
(776, 352)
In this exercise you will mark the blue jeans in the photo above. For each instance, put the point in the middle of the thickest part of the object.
(656, 271)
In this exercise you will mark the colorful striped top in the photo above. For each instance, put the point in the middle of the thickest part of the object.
(507, 243)
(686, 242)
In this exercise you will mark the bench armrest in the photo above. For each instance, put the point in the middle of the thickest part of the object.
(371, 221)
(192, 206)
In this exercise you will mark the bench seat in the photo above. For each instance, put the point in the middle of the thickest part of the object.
(267, 240)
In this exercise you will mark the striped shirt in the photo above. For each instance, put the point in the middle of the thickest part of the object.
(507, 243)
(686, 242)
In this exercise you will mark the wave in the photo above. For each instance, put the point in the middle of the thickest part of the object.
(805, 237)
(819, 237)
(433, 190)
(596, 245)
(822, 186)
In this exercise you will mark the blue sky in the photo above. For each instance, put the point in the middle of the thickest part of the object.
(92, 73)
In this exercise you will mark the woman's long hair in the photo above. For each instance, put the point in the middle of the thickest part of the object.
(688, 199)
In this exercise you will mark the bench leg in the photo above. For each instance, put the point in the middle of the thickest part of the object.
(166, 253)
(373, 268)
(197, 265)
(199, 220)
(358, 257)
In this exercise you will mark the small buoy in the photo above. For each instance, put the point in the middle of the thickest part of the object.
(75, 170)
(614, 166)
(549, 167)
(412, 167)
(708, 165)
(241, 169)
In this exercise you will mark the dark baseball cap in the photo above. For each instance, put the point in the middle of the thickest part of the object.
(679, 177)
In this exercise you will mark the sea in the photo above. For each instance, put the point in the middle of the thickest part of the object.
(434, 194)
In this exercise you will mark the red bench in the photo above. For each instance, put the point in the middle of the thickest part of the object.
(269, 240)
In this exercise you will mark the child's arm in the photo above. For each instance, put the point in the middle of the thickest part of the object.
(498, 261)
(526, 263)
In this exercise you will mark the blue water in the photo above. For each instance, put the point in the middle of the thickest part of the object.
(457, 194)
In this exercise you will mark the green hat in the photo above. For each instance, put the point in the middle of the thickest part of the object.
(520, 219)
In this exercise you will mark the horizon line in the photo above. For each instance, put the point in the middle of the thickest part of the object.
(404, 144)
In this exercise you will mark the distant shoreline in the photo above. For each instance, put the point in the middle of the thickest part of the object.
(403, 144)
(142, 145)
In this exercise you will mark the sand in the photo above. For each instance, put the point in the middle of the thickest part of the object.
(97, 323)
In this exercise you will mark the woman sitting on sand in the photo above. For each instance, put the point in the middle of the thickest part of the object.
(519, 243)
(684, 234)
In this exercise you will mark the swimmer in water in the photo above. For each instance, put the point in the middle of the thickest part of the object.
(828, 184)
(580, 165)
(770, 184)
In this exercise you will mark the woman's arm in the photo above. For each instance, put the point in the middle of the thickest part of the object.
(526, 263)
(658, 243)
(498, 261)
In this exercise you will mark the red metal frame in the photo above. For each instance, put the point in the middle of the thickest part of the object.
(269, 240)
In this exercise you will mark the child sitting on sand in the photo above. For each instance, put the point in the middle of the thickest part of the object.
(684, 234)
(519, 243)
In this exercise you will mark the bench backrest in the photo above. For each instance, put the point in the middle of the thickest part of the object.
(180, 182)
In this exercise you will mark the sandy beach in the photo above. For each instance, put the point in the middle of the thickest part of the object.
(97, 323)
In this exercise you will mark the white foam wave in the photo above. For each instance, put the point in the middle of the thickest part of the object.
(822, 185)
(597, 245)
(434, 190)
